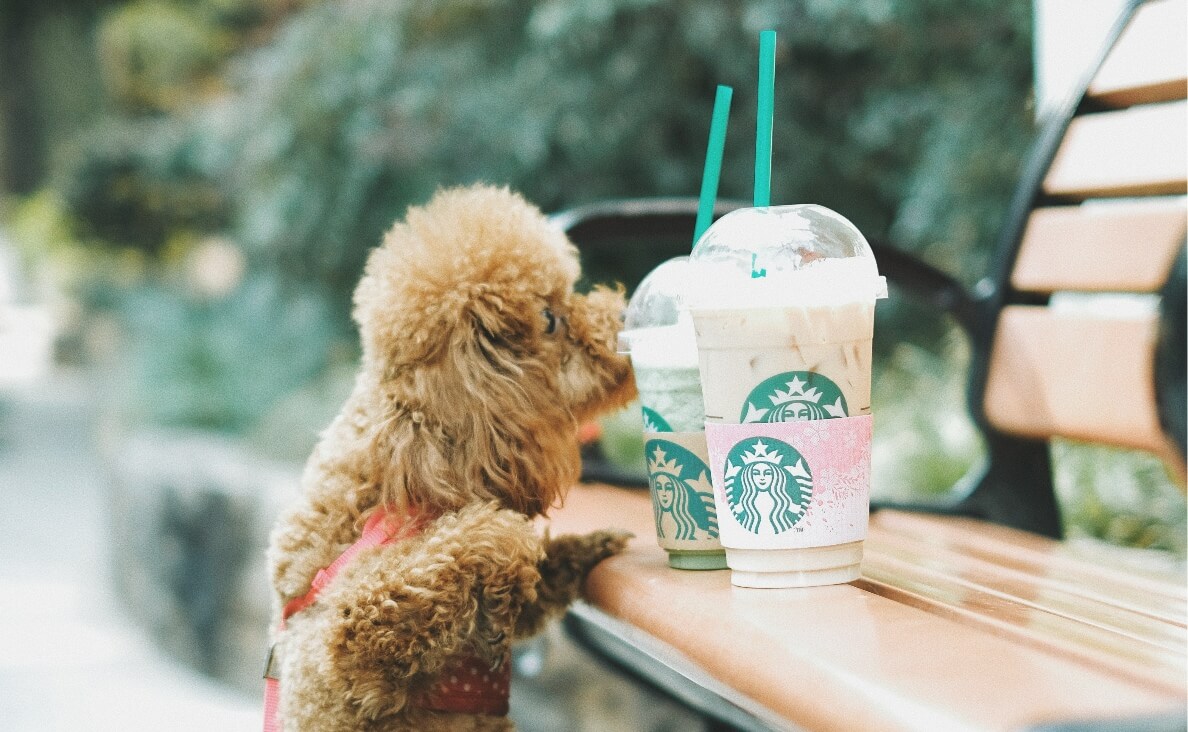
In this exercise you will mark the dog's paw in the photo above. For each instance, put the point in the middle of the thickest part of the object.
(607, 543)
(583, 551)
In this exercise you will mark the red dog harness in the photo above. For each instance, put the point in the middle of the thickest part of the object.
(467, 685)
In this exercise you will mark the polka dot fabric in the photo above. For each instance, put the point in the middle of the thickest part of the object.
(469, 686)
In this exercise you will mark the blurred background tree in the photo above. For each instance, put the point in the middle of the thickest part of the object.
(907, 117)
(48, 88)
(288, 134)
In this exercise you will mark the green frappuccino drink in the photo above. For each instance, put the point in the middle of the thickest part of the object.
(660, 339)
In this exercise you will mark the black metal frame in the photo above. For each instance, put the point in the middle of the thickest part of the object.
(1171, 354)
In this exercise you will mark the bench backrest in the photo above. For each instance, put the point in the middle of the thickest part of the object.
(1100, 209)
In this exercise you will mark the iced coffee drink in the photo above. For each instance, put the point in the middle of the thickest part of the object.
(784, 316)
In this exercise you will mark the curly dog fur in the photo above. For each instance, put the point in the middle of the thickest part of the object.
(479, 363)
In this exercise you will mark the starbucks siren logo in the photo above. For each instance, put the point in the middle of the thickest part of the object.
(794, 396)
(764, 467)
(682, 495)
(653, 422)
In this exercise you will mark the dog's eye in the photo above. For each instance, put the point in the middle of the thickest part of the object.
(551, 322)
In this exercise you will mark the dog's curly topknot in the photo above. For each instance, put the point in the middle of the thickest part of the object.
(469, 253)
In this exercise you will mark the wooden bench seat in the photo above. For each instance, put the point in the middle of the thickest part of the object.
(954, 625)
(1104, 246)
(1138, 151)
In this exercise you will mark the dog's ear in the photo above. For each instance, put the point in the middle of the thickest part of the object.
(462, 266)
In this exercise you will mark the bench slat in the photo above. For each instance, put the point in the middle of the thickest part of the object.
(849, 656)
(1031, 596)
(1140, 151)
(1118, 582)
(1147, 64)
(993, 612)
(1101, 246)
(1075, 375)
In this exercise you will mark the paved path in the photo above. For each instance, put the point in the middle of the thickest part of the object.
(69, 658)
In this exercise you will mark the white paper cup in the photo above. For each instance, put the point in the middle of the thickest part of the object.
(793, 499)
(683, 499)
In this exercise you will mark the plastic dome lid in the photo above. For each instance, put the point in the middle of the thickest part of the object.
(780, 255)
(656, 323)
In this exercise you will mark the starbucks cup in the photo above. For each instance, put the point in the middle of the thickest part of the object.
(659, 337)
(783, 313)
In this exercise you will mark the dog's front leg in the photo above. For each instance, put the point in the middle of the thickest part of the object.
(568, 559)
(358, 658)
(391, 627)
(400, 612)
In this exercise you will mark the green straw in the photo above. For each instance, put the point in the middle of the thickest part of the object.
(713, 162)
(767, 44)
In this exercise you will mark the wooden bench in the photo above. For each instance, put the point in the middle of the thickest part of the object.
(971, 614)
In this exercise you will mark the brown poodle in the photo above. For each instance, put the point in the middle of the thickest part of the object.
(479, 363)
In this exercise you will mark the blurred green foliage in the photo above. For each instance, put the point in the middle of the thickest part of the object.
(1122, 496)
(907, 117)
(160, 55)
(135, 185)
(217, 364)
(925, 441)
(152, 52)
(296, 131)
(301, 131)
